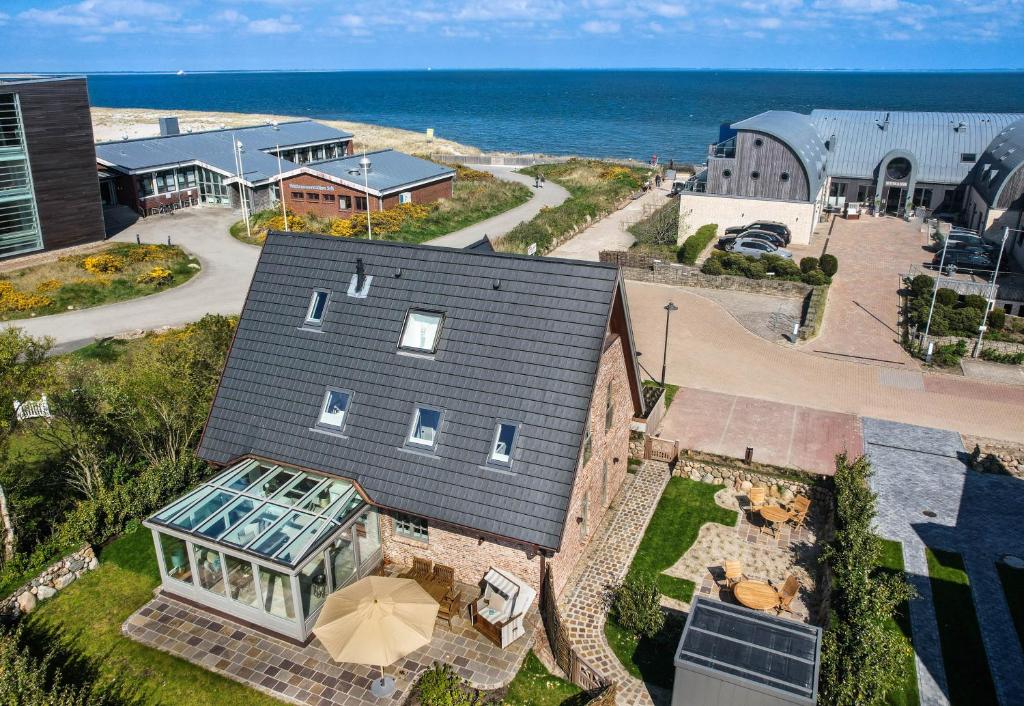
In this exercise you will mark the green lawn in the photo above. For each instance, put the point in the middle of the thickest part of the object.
(88, 616)
(1013, 587)
(534, 685)
(963, 653)
(683, 508)
(892, 561)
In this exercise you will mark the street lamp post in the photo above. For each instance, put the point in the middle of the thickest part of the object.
(364, 167)
(990, 300)
(280, 189)
(238, 148)
(669, 308)
(935, 289)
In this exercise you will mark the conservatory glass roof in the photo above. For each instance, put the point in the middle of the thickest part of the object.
(275, 512)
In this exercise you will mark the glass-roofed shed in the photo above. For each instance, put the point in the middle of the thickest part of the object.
(729, 655)
(266, 543)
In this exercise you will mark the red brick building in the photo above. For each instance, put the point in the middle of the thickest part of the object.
(337, 188)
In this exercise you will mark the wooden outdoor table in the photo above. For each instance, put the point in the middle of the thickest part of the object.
(756, 594)
(773, 515)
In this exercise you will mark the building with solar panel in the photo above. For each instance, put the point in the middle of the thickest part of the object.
(729, 655)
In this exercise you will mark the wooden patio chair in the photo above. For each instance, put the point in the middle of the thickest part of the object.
(449, 606)
(732, 575)
(756, 499)
(799, 507)
(787, 593)
(420, 570)
(443, 575)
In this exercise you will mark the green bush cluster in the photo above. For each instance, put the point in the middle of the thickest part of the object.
(861, 660)
(731, 263)
(951, 316)
(441, 686)
(694, 245)
(829, 264)
(595, 188)
(995, 356)
(636, 605)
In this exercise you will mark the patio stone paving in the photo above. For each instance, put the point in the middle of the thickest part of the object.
(308, 675)
(764, 556)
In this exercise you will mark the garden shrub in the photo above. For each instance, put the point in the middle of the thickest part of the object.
(636, 605)
(976, 301)
(829, 264)
(815, 278)
(965, 320)
(13, 300)
(921, 284)
(103, 264)
(994, 356)
(996, 319)
(808, 263)
(861, 659)
(694, 245)
(754, 269)
(713, 266)
(158, 276)
(442, 686)
(946, 297)
(949, 355)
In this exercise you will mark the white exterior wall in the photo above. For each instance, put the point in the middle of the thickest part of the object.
(697, 209)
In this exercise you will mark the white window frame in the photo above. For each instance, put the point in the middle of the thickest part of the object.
(310, 321)
(405, 197)
(418, 443)
(419, 527)
(503, 459)
(323, 409)
(432, 348)
(344, 203)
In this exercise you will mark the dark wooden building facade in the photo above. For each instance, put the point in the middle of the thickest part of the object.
(49, 187)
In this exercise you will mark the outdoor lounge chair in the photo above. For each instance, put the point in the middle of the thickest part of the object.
(732, 574)
(788, 593)
(756, 499)
(420, 570)
(799, 508)
(449, 606)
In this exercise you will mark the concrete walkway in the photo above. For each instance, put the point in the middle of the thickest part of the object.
(220, 287)
(919, 470)
(549, 195)
(610, 232)
(582, 604)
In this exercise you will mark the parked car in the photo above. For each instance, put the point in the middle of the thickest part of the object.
(764, 235)
(779, 229)
(960, 239)
(962, 261)
(755, 247)
(677, 188)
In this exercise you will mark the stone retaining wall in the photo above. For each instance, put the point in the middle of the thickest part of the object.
(57, 576)
(784, 489)
(1000, 346)
(995, 456)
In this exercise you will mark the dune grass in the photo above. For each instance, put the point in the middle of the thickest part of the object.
(963, 652)
(907, 695)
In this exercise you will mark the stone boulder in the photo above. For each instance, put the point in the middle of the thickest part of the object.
(44, 592)
(27, 602)
(63, 581)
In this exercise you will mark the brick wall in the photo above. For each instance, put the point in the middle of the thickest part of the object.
(471, 558)
(427, 193)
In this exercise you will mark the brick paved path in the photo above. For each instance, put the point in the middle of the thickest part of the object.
(582, 605)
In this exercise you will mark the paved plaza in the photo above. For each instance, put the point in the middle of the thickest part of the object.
(307, 675)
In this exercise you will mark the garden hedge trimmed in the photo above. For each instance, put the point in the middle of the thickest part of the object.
(695, 244)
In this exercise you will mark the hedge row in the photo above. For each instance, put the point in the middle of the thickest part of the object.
(695, 244)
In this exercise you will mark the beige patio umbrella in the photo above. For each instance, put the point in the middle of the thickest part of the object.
(377, 621)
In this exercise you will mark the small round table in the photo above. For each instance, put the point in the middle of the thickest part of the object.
(756, 594)
(774, 515)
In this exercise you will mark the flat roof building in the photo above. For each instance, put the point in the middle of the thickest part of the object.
(787, 166)
(188, 169)
(49, 189)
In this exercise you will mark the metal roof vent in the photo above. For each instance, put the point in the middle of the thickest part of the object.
(359, 287)
(883, 124)
(496, 284)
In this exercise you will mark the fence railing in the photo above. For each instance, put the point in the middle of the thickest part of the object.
(577, 669)
(1008, 287)
(530, 160)
(658, 449)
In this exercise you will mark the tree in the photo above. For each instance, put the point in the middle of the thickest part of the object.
(21, 371)
(861, 660)
(661, 227)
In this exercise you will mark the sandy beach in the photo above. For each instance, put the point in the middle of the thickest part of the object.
(111, 124)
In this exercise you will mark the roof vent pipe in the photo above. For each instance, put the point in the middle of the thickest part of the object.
(496, 284)
(360, 274)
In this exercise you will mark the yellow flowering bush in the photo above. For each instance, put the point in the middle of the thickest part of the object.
(48, 285)
(13, 300)
(101, 264)
(615, 172)
(157, 275)
(384, 222)
(295, 222)
(143, 253)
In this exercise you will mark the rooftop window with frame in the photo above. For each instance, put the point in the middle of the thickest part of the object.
(968, 157)
(334, 409)
(421, 331)
(505, 435)
(425, 427)
(317, 307)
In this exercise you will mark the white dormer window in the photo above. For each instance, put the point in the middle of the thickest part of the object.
(335, 407)
(426, 424)
(504, 441)
(421, 331)
(317, 307)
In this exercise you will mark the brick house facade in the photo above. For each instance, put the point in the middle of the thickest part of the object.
(597, 483)
(307, 193)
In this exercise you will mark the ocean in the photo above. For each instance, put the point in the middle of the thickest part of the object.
(637, 113)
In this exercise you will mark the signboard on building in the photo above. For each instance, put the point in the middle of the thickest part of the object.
(532, 250)
(310, 187)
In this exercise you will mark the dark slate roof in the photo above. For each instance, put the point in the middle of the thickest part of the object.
(482, 245)
(390, 170)
(526, 352)
(796, 130)
(213, 148)
(1003, 157)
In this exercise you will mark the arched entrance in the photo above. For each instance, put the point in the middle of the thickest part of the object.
(896, 178)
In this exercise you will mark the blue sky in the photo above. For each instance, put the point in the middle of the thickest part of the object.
(153, 35)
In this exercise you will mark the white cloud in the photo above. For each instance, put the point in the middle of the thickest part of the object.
(769, 22)
(230, 17)
(350, 21)
(285, 24)
(669, 10)
(108, 17)
(600, 27)
(4, 17)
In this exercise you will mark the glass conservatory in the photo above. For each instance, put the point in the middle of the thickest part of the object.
(266, 543)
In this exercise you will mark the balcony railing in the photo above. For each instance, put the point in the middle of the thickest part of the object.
(726, 148)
